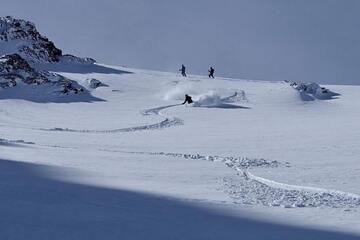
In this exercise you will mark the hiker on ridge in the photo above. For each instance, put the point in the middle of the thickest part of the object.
(182, 70)
(211, 72)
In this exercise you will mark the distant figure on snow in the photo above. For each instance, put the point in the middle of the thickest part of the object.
(211, 72)
(187, 99)
(182, 70)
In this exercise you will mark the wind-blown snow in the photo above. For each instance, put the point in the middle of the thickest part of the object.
(204, 96)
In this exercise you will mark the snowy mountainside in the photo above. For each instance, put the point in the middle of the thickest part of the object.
(18, 78)
(21, 37)
(27, 60)
(14, 67)
(121, 156)
(254, 150)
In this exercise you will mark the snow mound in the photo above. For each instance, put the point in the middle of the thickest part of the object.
(312, 91)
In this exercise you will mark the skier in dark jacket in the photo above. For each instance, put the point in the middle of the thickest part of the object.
(211, 72)
(182, 70)
(187, 99)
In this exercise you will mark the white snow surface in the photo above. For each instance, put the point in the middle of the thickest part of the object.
(248, 159)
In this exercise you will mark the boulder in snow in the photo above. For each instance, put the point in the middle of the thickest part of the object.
(311, 91)
(94, 83)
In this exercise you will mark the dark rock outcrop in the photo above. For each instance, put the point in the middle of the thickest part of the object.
(15, 70)
(23, 49)
(22, 37)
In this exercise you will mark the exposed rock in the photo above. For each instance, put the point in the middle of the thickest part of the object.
(22, 37)
(312, 91)
(15, 70)
(68, 58)
(23, 50)
(94, 83)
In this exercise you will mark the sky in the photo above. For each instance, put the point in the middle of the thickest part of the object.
(301, 40)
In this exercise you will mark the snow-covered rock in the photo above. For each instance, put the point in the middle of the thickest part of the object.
(15, 70)
(23, 49)
(70, 59)
(22, 37)
(313, 90)
(94, 83)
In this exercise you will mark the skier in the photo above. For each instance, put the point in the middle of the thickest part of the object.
(187, 99)
(182, 70)
(211, 72)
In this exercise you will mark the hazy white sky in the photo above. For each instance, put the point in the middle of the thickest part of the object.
(310, 40)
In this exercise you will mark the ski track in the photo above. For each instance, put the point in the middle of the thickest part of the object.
(167, 122)
(6, 142)
(248, 188)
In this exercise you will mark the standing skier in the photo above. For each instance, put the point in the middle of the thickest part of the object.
(187, 99)
(182, 70)
(211, 72)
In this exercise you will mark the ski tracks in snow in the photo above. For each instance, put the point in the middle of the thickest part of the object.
(6, 142)
(168, 121)
(248, 188)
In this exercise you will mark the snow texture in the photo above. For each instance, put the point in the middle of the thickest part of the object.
(246, 155)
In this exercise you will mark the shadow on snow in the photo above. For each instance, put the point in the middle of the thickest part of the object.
(80, 68)
(224, 106)
(34, 206)
(312, 97)
(45, 94)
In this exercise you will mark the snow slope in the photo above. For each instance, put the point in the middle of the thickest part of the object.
(133, 163)
(317, 41)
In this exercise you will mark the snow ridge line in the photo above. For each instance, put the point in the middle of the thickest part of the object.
(251, 189)
(167, 122)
